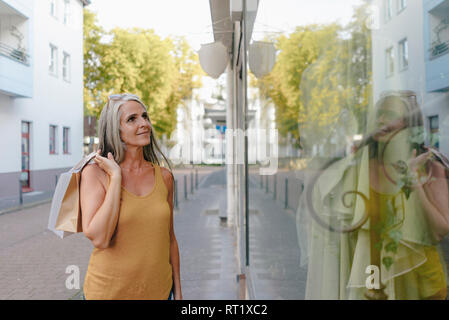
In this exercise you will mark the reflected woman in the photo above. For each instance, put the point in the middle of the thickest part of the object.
(127, 209)
(405, 212)
(396, 193)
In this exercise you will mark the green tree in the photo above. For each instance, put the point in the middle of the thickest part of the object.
(163, 72)
(93, 51)
(320, 71)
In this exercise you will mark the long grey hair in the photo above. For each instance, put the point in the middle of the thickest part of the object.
(109, 132)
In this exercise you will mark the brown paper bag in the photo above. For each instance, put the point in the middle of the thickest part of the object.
(65, 212)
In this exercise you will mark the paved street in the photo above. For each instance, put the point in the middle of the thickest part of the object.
(33, 260)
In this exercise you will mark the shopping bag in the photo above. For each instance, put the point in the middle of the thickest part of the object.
(65, 211)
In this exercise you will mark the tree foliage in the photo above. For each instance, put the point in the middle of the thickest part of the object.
(320, 71)
(162, 72)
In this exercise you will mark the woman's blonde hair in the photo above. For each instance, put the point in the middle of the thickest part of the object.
(109, 132)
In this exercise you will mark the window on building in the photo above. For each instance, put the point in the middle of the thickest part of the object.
(403, 54)
(53, 65)
(66, 140)
(66, 12)
(388, 9)
(53, 139)
(26, 149)
(53, 8)
(389, 58)
(402, 4)
(66, 67)
(434, 131)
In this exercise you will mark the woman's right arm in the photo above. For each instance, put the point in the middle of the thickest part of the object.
(100, 207)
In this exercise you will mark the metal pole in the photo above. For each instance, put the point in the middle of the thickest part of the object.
(266, 184)
(245, 111)
(261, 182)
(20, 192)
(274, 186)
(185, 186)
(191, 182)
(196, 179)
(176, 194)
(286, 193)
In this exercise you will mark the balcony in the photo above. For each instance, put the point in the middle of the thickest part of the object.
(436, 33)
(16, 76)
(19, 55)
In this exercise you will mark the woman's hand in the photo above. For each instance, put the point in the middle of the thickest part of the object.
(108, 165)
(416, 162)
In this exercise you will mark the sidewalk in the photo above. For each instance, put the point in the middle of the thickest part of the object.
(34, 261)
(274, 251)
(30, 199)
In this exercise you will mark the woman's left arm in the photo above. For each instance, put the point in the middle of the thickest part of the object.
(174, 250)
(434, 196)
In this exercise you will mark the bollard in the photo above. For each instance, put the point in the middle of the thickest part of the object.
(176, 194)
(261, 182)
(286, 193)
(274, 186)
(196, 179)
(20, 192)
(191, 182)
(185, 186)
(266, 184)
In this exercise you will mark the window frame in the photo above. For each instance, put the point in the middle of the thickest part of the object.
(53, 60)
(66, 66)
(66, 140)
(402, 5)
(388, 10)
(53, 129)
(54, 9)
(403, 44)
(389, 57)
(434, 130)
(67, 12)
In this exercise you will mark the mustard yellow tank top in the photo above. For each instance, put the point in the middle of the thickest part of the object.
(136, 265)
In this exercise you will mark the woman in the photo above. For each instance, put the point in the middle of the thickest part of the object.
(127, 210)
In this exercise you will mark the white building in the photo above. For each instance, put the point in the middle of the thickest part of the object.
(411, 52)
(41, 91)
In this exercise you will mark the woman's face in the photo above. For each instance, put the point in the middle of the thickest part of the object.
(135, 127)
(389, 119)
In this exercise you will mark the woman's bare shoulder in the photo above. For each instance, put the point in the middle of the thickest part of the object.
(166, 173)
(168, 176)
(93, 172)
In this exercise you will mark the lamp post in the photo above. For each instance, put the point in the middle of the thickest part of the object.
(214, 58)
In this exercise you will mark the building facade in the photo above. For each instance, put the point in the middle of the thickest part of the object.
(41, 92)
(411, 52)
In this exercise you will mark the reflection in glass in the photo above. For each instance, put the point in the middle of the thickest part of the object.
(361, 111)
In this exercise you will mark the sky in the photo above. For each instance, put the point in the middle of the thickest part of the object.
(192, 19)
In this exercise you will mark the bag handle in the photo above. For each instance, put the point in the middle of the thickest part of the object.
(80, 165)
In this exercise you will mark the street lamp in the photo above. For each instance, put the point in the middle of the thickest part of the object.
(214, 58)
(261, 58)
